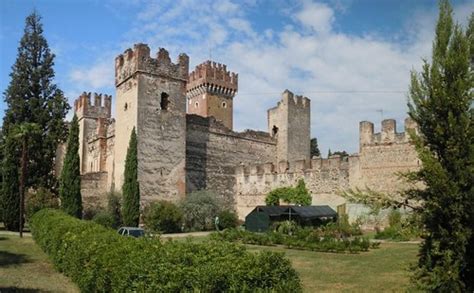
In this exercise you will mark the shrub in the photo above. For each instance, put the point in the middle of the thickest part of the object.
(163, 216)
(401, 229)
(200, 209)
(99, 260)
(114, 208)
(88, 213)
(296, 195)
(40, 199)
(329, 238)
(105, 219)
(228, 219)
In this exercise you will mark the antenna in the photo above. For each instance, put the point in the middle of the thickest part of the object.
(381, 112)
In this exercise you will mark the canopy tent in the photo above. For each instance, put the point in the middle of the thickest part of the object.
(261, 218)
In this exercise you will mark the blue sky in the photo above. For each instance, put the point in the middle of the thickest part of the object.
(351, 58)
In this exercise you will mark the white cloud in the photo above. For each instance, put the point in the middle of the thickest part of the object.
(348, 78)
(317, 16)
(93, 78)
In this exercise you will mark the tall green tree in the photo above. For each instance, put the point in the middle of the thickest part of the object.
(32, 97)
(131, 188)
(441, 102)
(24, 133)
(70, 180)
(314, 149)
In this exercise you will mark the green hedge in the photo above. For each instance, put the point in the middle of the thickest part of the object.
(97, 259)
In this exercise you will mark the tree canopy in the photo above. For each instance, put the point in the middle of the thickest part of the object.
(295, 195)
(131, 188)
(441, 103)
(70, 180)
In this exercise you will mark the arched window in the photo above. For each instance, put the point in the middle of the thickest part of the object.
(224, 105)
(164, 101)
(196, 105)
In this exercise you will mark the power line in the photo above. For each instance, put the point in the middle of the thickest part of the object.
(331, 92)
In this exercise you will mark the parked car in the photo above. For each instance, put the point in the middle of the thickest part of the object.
(131, 231)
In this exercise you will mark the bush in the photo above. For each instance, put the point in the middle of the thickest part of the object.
(163, 216)
(296, 195)
(114, 208)
(40, 199)
(88, 213)
(228, 219)
(333, 237)
(200, 209)
(99, 260)
(105, 219)
(401, 229)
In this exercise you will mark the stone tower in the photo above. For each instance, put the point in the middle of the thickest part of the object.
(289, 122)
(151, 96)
(210, 92)
(92, 118)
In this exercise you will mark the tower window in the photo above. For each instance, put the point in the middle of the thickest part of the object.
(196, 105)
(125, 107)
(274, 130)
(224, 105)
(164, 101)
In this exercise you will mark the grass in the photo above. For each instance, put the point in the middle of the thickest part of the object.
(379, 270)
(25, 268)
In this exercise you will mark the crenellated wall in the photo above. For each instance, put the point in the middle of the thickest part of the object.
(377, 166)
(383, 155)
(324, 178)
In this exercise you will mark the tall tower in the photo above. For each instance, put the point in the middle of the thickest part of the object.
(151, 96)
(92, 126)
(290, 122)
(210, 92)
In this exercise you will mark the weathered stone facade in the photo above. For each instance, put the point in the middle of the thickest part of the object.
(186, 142)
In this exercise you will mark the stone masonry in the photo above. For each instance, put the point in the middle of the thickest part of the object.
(186, 143)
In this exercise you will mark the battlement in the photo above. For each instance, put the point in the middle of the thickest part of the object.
(138, 59)
(101, 108)
(388, 134)
(212, 77)
(295, 99)
(337, 163)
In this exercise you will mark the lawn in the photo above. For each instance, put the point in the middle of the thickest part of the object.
(379, 270)
(24, 266)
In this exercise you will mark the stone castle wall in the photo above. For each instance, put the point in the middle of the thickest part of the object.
(382, 157)
(324, 178)
(213, 151)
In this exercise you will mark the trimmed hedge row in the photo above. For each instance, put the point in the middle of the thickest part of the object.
(97, 259)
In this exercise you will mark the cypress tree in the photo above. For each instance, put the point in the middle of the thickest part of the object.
(32, 97)
(70, 180)
(441, 101)
(130, 187)
(314, 149)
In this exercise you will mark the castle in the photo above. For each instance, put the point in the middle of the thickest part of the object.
(186, 143)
